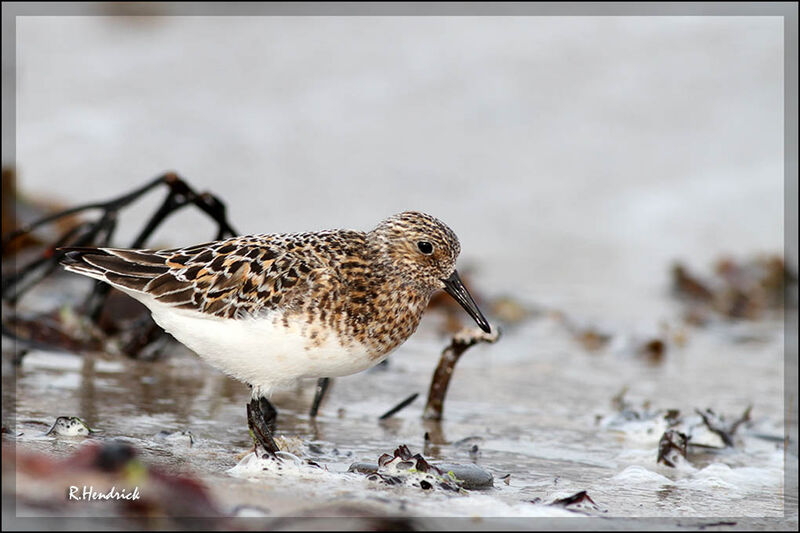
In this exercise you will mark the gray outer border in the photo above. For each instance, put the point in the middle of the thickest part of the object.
(789, 12)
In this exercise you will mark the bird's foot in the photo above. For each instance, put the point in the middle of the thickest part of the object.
(261, 421)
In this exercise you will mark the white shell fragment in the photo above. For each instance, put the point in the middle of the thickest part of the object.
(70, 426)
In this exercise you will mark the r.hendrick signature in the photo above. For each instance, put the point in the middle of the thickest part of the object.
(88, 493)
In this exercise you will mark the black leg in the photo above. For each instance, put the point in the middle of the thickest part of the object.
(261, 420)
(268, 412)
(322, 387)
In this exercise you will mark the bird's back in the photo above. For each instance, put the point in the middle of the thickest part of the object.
(235, 278)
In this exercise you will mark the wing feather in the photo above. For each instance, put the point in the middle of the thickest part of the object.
(233, 278)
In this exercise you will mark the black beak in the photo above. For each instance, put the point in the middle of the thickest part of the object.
(455, 288)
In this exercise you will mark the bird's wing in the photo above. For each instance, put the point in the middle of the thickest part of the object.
(233, 278)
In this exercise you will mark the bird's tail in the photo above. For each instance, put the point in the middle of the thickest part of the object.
(129, 270)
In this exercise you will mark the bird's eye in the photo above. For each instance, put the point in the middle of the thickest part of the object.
(425, 247)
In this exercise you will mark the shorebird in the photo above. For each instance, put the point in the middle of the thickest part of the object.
(273, 308)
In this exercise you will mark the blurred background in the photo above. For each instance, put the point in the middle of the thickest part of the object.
(564, 151)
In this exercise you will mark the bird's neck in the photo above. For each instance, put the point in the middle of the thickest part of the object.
(384, 306)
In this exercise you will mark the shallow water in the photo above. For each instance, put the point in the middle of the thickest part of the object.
(576, 157)
(537, 405)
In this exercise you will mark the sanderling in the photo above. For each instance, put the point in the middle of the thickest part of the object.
(270, 309)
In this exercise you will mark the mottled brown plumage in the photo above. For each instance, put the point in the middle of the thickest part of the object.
(269, 309)
(348, 282)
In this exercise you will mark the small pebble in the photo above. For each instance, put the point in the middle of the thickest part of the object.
(176, 437)
(69, 426)
(473, 476)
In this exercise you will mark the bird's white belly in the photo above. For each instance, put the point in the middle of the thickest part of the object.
(262, 351)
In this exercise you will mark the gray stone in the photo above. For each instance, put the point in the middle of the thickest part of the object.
(472, 477)
(363, 468)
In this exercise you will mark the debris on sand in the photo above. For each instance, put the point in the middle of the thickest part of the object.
(178, 438)
(593, 338)
(716, 424)
(578, 501)
(652, 350)
(589, 336)
(738, 289)
(399, 407)
(672, 447)
(105, 320)
(70, 426)
(685, 285)
(459, 344)
(404, 468)
(679, 434)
